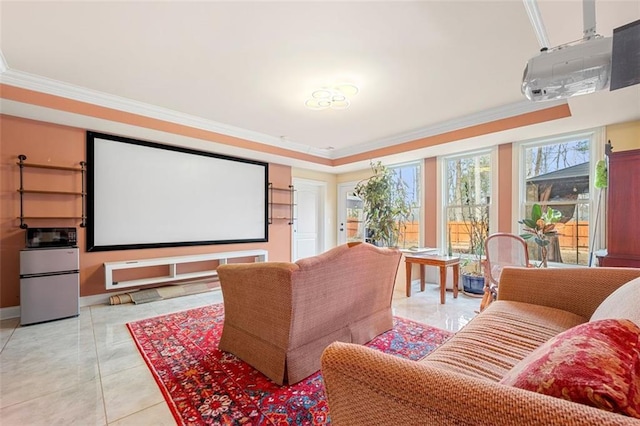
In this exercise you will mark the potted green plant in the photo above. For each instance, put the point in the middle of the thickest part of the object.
(541, 227)
(386, 205)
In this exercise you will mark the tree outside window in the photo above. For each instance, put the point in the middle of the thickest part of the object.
(410, 175)
(407, 181)
(467, 202)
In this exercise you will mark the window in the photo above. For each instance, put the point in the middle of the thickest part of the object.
(409, 174)
(355, 218)
(467, 201)
(557, 173)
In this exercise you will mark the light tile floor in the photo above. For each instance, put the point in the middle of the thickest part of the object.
(87, 370)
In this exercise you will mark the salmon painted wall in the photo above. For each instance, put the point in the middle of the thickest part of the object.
(505, 187)
(430, 202)
(46, 143)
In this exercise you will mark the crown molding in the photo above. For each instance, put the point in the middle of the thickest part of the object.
(485, 116)
(57, 88)
(69, 91)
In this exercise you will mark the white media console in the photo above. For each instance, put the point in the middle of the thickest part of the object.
(172, 263)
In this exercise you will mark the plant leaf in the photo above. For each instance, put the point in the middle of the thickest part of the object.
(541, 242)
(536, 212)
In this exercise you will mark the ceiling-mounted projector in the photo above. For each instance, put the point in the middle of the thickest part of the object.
(568, 70)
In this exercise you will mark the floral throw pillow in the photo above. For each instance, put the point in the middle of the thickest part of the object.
(596, 363)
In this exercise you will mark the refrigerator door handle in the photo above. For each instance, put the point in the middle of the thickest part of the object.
(49, 274)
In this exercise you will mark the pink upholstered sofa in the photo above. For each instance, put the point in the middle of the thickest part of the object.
(469, 380)
(279, 316)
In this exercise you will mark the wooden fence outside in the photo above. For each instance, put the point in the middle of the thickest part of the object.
(572, 235)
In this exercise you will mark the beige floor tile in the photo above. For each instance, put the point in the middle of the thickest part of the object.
(129, 391)
(44, 358)
(425, 307)
(118, 357)
(7, 327)
(32, 379)
(80, 404)
(111, 334)
(157, 415)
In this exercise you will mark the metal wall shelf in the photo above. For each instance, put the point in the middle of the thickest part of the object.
(279, 205)
(21, 163)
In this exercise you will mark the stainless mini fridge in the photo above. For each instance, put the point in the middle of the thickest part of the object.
(49, 284)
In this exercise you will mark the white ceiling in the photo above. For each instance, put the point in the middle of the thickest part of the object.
(248, 67)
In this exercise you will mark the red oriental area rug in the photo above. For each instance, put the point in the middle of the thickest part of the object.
(206, 386)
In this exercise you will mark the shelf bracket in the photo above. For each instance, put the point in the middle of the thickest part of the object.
(291, 212)
(83, 166)
(270, 219)
(291, 193)
(23, 225)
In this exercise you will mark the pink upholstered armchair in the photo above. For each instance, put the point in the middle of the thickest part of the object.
(279, 316)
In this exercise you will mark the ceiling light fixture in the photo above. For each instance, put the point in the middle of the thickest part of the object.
(334, 97)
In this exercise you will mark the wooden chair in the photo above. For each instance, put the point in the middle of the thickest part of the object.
(501, 249)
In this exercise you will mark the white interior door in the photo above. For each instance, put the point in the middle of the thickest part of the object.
(350, 214)
(308, 228)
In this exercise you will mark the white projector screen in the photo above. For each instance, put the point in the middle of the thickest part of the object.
(143, 195)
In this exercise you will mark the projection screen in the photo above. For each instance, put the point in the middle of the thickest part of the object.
(144, 194)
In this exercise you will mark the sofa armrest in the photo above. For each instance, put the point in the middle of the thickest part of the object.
(257, 298)
(368, 387)
(576, 290)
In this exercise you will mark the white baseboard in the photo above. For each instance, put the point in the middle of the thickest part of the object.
(10, 312)
(98, 299)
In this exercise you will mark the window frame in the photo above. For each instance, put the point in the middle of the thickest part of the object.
(419, 197)
(597, 138)
(442, 200)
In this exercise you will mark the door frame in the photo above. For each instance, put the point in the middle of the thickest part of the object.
(321, 213)
(342, 209)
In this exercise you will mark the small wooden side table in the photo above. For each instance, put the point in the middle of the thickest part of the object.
(434, 260)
